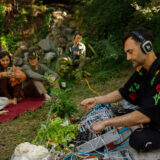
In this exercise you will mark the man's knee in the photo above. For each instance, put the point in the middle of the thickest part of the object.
(139, 142)
(63, 60)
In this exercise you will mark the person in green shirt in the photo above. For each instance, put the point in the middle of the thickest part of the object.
(75, 53)
(35, 75)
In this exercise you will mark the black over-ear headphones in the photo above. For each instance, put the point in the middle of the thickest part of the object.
(146, 45)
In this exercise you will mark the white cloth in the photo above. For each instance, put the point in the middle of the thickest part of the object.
(4, 101)
(28, 151)
(128, 105)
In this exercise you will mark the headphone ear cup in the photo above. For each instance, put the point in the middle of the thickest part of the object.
(146, 47)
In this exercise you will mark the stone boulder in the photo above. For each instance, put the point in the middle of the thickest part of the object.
(47, 45)
(49, 55)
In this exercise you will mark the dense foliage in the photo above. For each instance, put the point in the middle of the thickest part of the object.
(27, 20)
(103, 24)
(100, 20)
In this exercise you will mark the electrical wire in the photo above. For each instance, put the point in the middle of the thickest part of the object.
(83, 153)
(70, 155)
(91, 88)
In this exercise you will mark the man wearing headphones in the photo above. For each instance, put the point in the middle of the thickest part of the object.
(35, 75)
(142, 89)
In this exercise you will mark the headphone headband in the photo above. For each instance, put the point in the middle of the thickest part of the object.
(146, 45)
(139, 36)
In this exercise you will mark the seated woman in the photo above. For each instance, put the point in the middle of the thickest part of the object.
(35, 76)
(11, 79)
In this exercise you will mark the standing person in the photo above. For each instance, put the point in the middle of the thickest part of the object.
(11, 79)
(75, 53)
(142, 89)
(35, 75)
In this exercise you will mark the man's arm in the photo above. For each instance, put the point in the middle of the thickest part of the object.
(130, 119)
(46, 69)
(31, 74)
(112, 97)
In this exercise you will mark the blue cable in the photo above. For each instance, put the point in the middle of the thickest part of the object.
(70, 155)
(98, 107)
(95, 154)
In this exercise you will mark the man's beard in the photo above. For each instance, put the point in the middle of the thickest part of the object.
(135, 64)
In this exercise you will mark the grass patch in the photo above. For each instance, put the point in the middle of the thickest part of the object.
(24, 128)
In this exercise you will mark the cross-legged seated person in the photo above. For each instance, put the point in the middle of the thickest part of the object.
(75, 52)
(35, 76)
(11, 79)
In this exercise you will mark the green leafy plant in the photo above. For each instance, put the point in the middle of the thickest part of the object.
(57, 132)
(47, 18)
(62, 105)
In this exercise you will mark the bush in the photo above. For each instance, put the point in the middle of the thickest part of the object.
(102, 18)
(9, 42)
(47, 18)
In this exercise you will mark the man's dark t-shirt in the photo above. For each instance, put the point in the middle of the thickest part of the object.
(143, 89)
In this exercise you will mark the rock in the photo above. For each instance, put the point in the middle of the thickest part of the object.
(69, 37)
(19, 53)
(45, 44)
(56, 32)
(58, 14)
(24, 48)
(57, 39)
(49, 35)
(17, 61)
(68, 31)
(49, 55)
(26, 56)
(59, 23)
(64, 13)
(62, 40)
(53, 45)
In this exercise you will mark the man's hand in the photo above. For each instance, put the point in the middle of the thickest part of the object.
(98, 127)
(89, 103)
(75, 53)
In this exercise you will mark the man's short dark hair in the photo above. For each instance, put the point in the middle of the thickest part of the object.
(77, 33)
(147, 35)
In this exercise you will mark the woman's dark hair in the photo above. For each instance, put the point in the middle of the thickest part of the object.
(3, 54)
